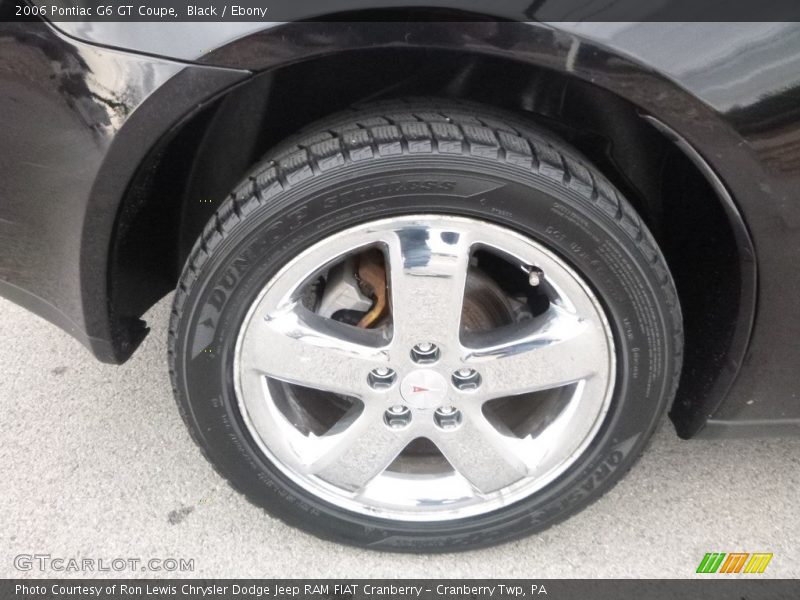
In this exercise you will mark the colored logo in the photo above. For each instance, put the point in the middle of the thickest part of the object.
(424, 389)
(734, 562)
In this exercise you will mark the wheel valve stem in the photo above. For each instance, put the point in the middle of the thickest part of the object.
(535, 276)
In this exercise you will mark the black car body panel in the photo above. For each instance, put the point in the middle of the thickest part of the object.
(79, 120)
(76, 124)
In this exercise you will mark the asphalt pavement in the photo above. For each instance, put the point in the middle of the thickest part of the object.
(95, 463)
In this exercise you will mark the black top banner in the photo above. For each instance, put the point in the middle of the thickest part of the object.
(399, 10)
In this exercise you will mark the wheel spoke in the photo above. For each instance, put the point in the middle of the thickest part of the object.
(555, 349)
(427, 274)
(299, 347)
(353, 456)
(478, 452)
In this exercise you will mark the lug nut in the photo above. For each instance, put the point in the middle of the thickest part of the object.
(447, 417)
(397, 417)
(381, 378)
(425, 353)
(466, 379)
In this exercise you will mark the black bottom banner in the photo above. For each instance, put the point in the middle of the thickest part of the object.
(397, 589)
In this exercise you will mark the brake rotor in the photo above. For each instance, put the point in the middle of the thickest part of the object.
(486, 306)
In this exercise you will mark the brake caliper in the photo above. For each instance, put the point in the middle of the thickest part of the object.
(372, 275)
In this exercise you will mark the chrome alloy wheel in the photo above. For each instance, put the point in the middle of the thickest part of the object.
(434, 420)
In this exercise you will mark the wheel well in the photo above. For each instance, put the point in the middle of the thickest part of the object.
(184, 180)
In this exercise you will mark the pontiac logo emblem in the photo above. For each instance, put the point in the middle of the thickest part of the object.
(424, 389)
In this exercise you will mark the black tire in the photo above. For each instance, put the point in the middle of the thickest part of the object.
(424, 156)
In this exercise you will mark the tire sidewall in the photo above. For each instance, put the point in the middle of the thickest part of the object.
(267, 237)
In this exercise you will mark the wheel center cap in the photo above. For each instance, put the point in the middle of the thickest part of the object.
(424, 388)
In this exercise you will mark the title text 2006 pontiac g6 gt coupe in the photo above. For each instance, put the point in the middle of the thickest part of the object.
(436, 279)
